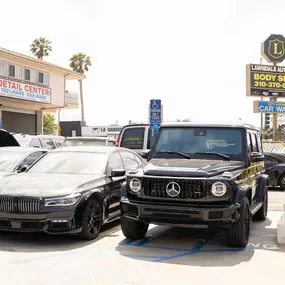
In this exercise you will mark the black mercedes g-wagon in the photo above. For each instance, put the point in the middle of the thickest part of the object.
(198, 174)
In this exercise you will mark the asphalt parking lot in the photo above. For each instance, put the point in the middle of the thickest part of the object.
(166, 256)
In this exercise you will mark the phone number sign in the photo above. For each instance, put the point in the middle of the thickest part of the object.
(265, 80)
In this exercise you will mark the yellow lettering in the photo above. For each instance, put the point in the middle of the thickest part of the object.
(275, 45)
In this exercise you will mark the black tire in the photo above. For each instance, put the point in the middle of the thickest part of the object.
(238, 234)
(261, 214)
(133, 229)
(281, 182)
(92, 220)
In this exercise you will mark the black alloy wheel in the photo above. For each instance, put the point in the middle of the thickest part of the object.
(281, 182)
(238, 234)
(92, 220)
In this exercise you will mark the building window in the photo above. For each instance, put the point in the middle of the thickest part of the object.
(27, 74)
(12, 70)
(15, 71)
(2, 68)
(43, 78)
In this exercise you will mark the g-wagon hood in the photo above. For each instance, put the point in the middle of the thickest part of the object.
(6, 139)
(191, 167)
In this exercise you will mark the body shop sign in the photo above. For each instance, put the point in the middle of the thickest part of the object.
(23, 91)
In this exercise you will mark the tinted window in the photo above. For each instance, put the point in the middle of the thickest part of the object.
(30, 159)
(150, 139)
(254, 142)
(47, 143)
(249, 144)
(115, 161)
(133, 138)
(193, 141)
(36, 142)
(129, 160)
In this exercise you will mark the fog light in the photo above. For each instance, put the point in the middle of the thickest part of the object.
(59, 221)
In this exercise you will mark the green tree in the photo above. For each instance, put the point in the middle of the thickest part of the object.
(80, 63)
(41, 47)
(49, 124)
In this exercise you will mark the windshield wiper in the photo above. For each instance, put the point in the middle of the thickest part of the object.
(183, 154)
(226, 157)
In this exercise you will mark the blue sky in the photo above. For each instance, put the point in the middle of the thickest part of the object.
(190, 54)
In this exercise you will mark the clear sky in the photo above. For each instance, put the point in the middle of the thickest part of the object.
(190, 54)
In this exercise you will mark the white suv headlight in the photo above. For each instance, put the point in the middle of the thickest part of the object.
(219, 189)
(63, 201)
(135, 185)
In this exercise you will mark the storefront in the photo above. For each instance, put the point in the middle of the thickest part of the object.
(28, 88)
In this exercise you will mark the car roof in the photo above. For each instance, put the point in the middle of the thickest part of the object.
(21, 149)
(100, 149)
(90, 138)
(210, 125)
(278, 156)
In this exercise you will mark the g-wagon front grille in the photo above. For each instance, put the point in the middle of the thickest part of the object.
(189, 189)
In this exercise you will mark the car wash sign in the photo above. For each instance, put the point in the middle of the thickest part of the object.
(265, 80)
(18, 90)
(268, 107)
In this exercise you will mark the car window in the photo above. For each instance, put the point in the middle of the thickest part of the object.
(129, 160)
(199, 142)
(249, 144)
(254, 142)
(133, 138)
(30, 159)
(150, 139)
(270, 159)
(35, 142)
(115, 161)
(111, 143)
(47, 143)
(259, 144)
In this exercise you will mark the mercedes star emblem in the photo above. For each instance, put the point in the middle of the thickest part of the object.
(173, 189)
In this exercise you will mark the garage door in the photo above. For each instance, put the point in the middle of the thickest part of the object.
(19, 122)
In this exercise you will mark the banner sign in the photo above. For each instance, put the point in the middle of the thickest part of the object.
(265, 80)
(19, 90)
(268, 107)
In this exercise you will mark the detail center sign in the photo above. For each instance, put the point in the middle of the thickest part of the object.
(18, 90)
(265, 80)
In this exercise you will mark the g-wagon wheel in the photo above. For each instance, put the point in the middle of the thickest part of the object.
(92, 220)
(238, 234)
(261, 214)
(133, 229)
(281, 182)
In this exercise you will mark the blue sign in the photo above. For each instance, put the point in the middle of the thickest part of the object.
(155, 112)
(270, 107)
(154, 126)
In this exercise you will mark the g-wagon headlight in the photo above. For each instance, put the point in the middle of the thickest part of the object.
(135, 185)
(219, 189)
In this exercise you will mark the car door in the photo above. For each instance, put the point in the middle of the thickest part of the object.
(115, 162)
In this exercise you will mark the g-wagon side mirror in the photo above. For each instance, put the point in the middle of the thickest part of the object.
(256, 157)
(144, 154)
(116, 172)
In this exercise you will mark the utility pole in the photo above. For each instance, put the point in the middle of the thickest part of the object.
(261, 114)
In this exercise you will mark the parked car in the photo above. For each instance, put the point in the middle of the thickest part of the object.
(39, 141)
(6, 139)
(17, 159)
(137, 137)
(275, 168)
(70, 190)
(89, 141)
(198, 174)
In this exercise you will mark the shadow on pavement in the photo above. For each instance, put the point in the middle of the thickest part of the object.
(40, 242)
(198, 247)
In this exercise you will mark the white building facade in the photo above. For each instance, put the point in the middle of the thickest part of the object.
(30, 87)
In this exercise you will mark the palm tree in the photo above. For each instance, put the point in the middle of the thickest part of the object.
(41, 47)
(80, 63)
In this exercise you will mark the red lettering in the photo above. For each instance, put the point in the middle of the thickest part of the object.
(27, 88)
(47, 92)
(5, 83)
(1, 83)
(13, 85)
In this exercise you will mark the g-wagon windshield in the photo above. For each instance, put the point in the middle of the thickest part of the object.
(207, 143)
